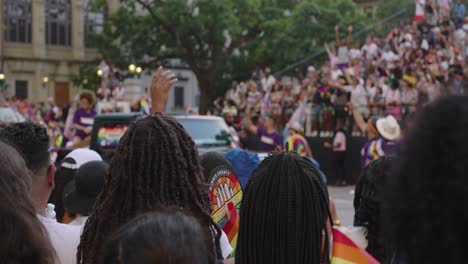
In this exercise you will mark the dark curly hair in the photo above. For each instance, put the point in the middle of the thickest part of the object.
(155, 165)
(284, 213)
(88, 96)
(149, 239)
(31, 140)
(24, 239)
(368, 201)
(426, 198)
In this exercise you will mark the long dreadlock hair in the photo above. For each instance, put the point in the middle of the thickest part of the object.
(156, 165)
(284, 213)
(368, 201)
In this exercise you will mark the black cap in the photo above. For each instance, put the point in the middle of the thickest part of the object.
(212, 160)
(80, 194)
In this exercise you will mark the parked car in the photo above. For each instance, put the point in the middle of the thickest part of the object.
(210, 133)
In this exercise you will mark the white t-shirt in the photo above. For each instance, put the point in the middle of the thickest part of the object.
(267, 83)
(370, 50)
(358, 95)
(64, 239)
(420, 7)
(343, 55)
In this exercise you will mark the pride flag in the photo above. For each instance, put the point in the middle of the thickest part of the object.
(345, 251)
(232, 225)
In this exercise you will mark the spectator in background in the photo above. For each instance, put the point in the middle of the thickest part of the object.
(393, 99)
(33, 142)
(80, 194)
(83, 120)
(270, 138)
(119, 92)
(343, 47)
(288, 228)
(409, 99)
(254, 97)
(423, 206)
(459, 12)
(150, 238)
(268, 80)
(66, 173)
(24, 239)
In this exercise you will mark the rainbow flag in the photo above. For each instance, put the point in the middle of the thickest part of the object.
(345, 251)
(232, 225)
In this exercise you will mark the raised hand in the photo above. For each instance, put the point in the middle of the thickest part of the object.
(350, 28)
(160, 87)
(337, 28)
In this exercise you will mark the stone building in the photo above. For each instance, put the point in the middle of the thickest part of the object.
(43, 43)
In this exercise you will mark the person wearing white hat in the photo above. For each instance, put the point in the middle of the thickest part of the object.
(387, 132)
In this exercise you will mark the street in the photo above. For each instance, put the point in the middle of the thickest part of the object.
(343, 197)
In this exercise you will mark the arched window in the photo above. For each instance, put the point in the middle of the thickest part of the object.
(58, 22)
(94, 14)
(17, 20)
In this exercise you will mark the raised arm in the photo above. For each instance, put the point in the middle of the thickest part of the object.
(337, 35)
(160, 87)
(249, 125)
(350, 36)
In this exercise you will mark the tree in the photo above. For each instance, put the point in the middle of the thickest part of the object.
(223, 39)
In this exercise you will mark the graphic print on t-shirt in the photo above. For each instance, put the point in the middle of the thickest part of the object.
(226, 197)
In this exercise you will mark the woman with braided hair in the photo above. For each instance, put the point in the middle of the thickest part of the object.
(155, 165)
(284, 214)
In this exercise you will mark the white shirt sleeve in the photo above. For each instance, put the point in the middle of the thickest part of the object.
(226, 248)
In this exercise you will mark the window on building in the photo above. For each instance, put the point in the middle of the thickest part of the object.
(179, 97)
(58, 22)
(21, 89)
(17, 20)
(94, 20)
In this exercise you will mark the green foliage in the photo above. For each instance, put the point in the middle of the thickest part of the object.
(222, 40)
(387, 8)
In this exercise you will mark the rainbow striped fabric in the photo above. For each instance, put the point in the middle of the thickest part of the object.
(232, 225)
(345, 251)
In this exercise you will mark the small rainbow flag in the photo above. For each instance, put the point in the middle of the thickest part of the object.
(232, 225)
(345, 251)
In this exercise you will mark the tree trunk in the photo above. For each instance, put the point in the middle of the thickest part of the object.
(205, 86)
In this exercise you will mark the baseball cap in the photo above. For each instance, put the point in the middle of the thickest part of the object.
(80, 194)
(78, 157)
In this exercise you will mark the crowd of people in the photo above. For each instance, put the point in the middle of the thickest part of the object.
(395, 73)
(152, 203)
(154, 190)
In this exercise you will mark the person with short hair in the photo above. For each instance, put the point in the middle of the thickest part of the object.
(32, 141)
(83, 120)
(24, 239)
(164, 236)
(80, 194)
(284, 213)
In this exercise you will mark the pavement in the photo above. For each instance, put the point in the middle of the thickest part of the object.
(343, 197)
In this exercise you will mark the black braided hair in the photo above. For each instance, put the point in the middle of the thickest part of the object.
(155, 165)
(425, 205)
(368, 202)
(284, 213)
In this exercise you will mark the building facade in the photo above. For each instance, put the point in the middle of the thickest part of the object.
(43, 44)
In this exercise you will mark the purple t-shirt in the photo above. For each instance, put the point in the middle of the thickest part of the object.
(268, 141)
(84, 119)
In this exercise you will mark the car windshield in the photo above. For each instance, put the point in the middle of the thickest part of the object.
(207, 132)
